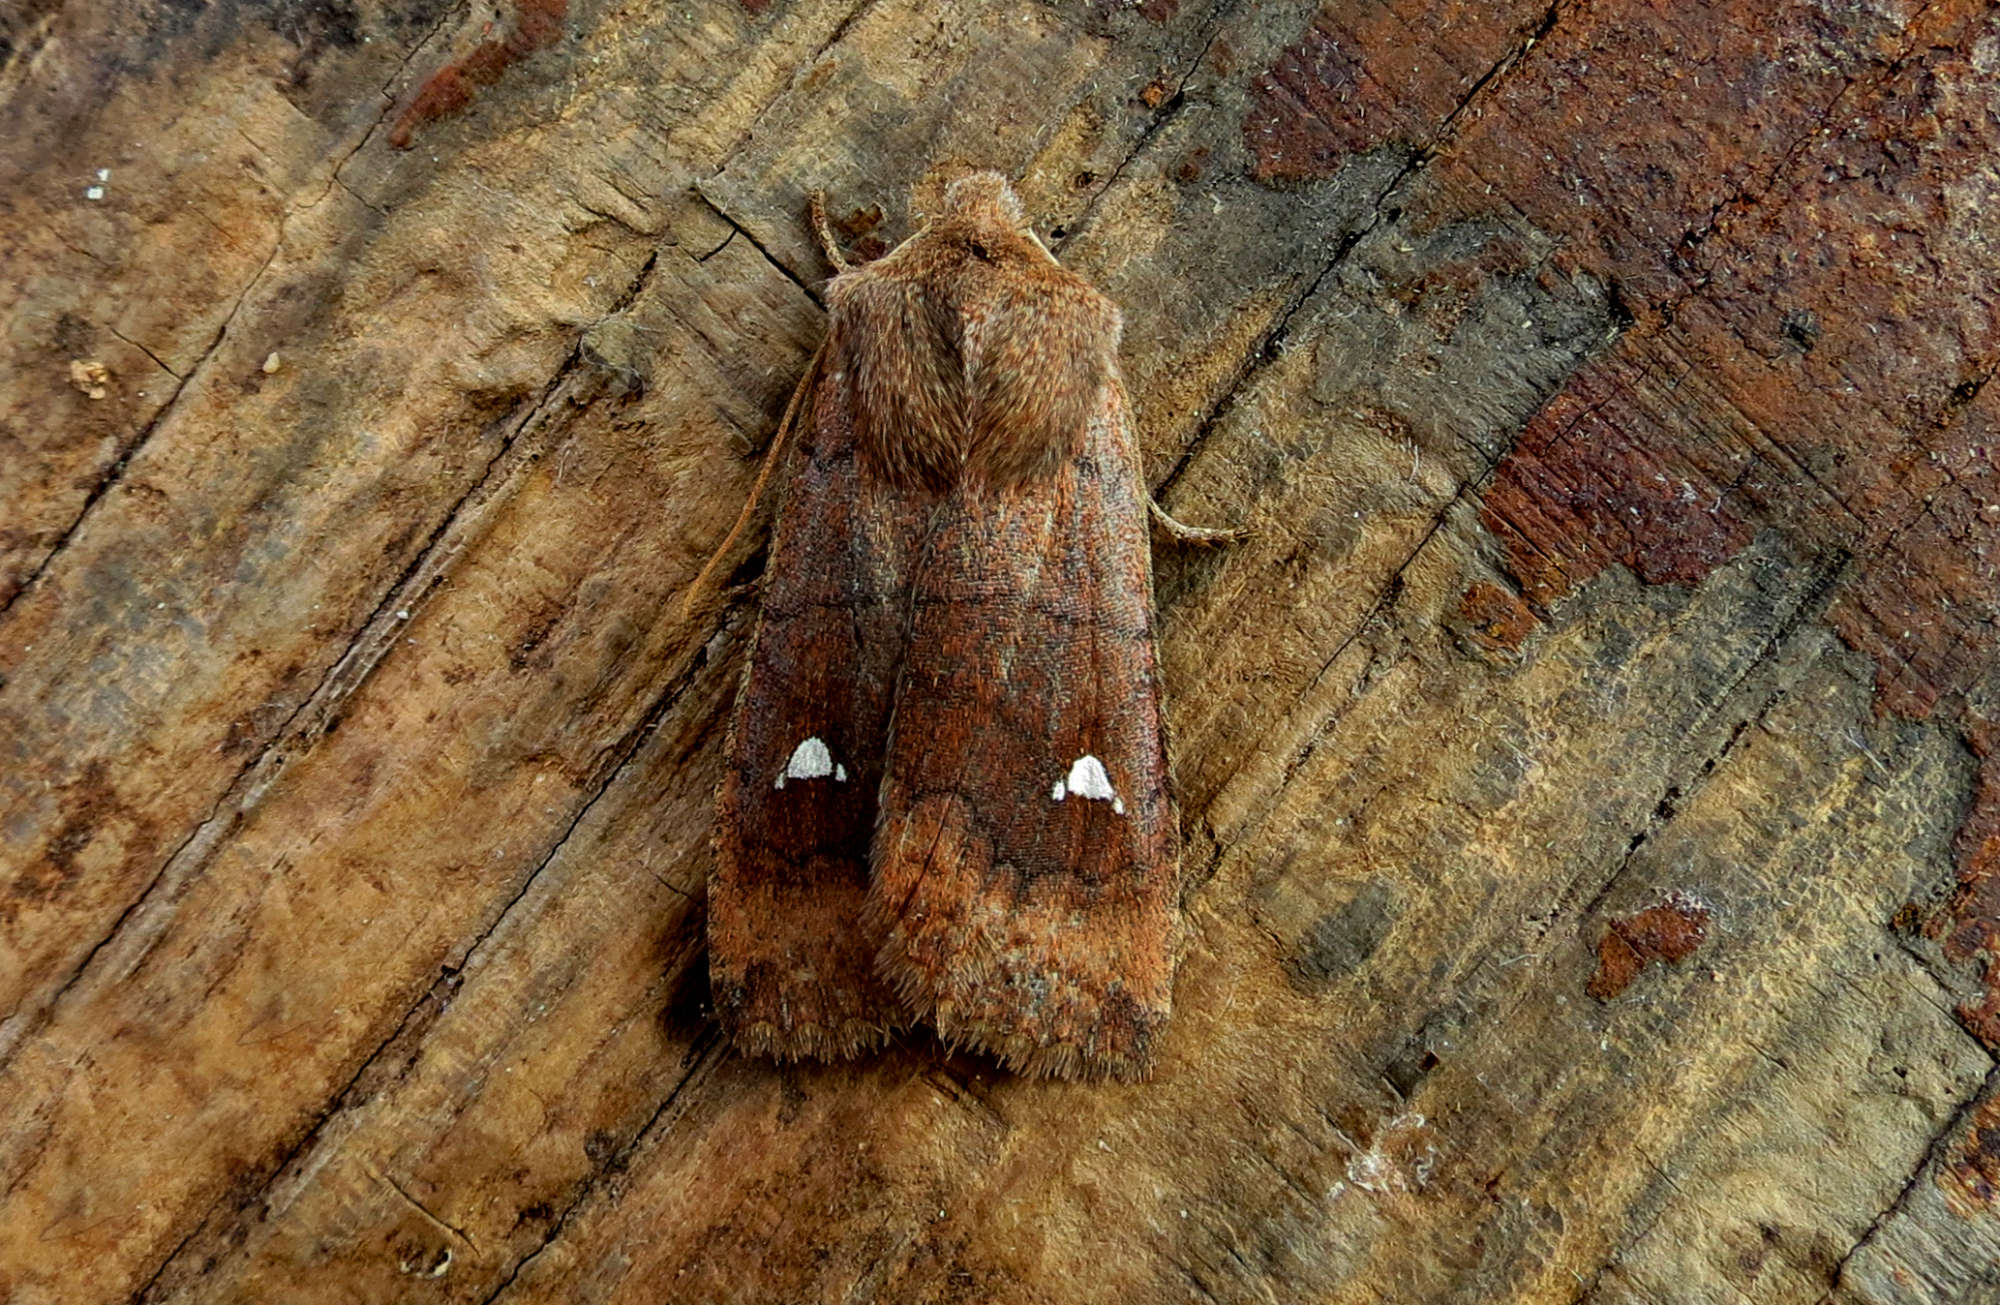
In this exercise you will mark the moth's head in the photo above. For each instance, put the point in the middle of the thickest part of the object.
(982, 199)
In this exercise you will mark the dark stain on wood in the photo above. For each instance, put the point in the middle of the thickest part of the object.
(1307, 113)
(1494, 618)
(537, 23)
(91, 807)
(1970, 1173)
(1339, 940)
(1668, 933)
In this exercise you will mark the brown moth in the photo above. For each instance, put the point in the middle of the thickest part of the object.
(947, 796)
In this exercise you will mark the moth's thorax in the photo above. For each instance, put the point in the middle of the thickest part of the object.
(972, 353)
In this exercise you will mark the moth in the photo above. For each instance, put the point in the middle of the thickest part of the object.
(947, 796)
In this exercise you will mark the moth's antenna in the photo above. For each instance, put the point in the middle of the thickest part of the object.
(772, 456)
(817, 204)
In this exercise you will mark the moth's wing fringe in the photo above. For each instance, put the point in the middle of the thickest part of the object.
(845, 1041)
(1046, 1057)
(1053, 1060)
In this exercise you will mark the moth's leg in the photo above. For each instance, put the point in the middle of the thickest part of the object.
(1187, 534)
(1180, 531)
(825, 232)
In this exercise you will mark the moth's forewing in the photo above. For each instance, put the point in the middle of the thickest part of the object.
(791, 961)
(1027, 869)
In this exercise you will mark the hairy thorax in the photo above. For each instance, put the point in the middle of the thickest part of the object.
(972, 354)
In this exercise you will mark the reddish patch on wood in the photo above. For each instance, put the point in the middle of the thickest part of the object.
(1668, 933)
(1188, 170)
(1495, 617)
(1362, 76)
(1925, 602)
(537, 23)
(1811, 337)
(1589, 484)
(1968, 925)
(1970, 1172)
(1159, 11)
(755, 8)
(1306, 114)
(1813, 322)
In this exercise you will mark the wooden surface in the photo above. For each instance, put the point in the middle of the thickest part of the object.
(1590, 766)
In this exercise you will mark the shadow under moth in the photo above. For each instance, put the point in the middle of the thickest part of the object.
(946, 797)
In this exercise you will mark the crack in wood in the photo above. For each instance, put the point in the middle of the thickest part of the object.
(1826, 575)
(116, 471)
(597, 1193)
(738, 229)
(1751, 193)
(1383, 602)
(412, 1021)
(1263, 353)
(336, 1104)
(316, 713)
(709, 1051)
(157, 360)
(1933, 1153)
(1171, 107)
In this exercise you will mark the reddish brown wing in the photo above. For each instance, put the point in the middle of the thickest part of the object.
(791, 960)
(1027, 865)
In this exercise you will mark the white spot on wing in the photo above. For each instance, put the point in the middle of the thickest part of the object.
(812, 759)
(1087, 779)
